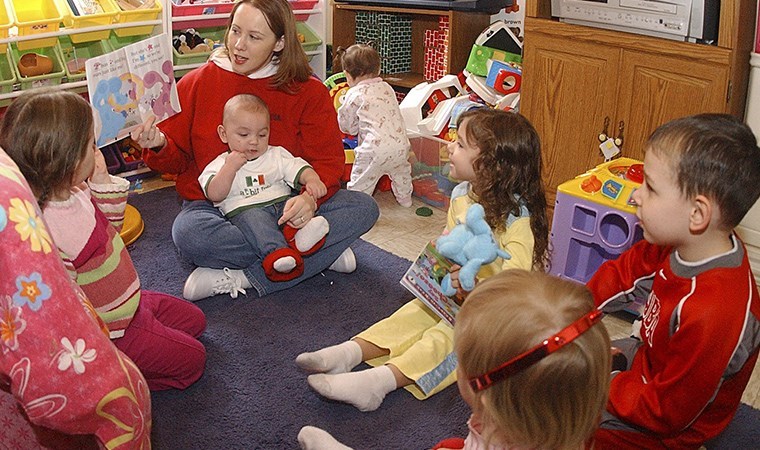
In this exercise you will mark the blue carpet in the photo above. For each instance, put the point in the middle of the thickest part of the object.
(253, 396)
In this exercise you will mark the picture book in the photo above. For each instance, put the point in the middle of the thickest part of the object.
(423, 279)
(130, 85)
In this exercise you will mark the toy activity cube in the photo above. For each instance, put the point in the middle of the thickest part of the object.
(595, 219)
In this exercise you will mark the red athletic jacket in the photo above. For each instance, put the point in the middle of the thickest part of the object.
(700, 333)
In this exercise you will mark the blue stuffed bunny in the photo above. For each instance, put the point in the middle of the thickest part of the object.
(470, 245)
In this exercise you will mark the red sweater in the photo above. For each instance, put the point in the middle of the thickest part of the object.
(305, 123)
(700, 334)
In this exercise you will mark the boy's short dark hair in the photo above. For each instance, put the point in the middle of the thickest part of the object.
(359, 60)
(715, 155)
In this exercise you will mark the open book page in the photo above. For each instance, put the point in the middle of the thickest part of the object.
(423, 279)
(130, 85)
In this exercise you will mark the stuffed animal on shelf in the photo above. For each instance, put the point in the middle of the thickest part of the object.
(470, 244)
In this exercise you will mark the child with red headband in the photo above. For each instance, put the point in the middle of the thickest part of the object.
(534, 365)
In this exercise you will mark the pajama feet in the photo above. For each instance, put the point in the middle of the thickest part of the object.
(309, 236)
(339, 358)
(365, 390)
(313, 438)
(283, 264)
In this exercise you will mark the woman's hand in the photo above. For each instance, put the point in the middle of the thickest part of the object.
(147, 135)
(298, 210)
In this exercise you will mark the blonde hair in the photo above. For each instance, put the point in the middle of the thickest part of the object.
(47, 133)
(244, 102)
(292, 63)
(555, 403)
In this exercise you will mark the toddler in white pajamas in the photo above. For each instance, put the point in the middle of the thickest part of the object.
(370, 111)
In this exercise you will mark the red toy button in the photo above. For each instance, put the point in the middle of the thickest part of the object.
(635, 173)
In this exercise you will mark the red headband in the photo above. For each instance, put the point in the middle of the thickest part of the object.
(537, 353)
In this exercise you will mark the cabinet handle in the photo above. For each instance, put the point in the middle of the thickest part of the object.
(619, 138)
(605, 131)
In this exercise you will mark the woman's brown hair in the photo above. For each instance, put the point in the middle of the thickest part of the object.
(47, 133)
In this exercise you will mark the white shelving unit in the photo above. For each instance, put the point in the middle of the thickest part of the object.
(158, 23)
(315, 18)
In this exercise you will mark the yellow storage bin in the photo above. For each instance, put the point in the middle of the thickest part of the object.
(35, 17)
(7, 74)
(107, 16)
(50, 79)
(6, 22)
(137, 15)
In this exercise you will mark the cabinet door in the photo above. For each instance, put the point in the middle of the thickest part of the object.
(568, 90)
(655, 89)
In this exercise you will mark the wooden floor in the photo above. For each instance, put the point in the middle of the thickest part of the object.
(402, 232)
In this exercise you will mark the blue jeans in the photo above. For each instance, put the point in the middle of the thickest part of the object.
(260, 229)
(205, 237)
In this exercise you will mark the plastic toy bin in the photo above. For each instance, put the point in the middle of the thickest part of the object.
(311, 41)
(5, 24)
(7, 74)
(51, 79)
(137, 15)
(106, 17)
(302, 5)
(35, 17)
(73, 55)
(201, 9)
(216, 34)
(116, 42)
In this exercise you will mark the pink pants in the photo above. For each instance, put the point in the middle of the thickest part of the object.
(161, 340)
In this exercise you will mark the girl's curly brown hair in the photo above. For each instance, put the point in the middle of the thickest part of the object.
(508, 169)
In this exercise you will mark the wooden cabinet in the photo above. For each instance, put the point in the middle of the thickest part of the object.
(576, 77)
(464, 28)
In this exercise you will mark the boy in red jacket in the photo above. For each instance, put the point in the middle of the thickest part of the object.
(700, 331)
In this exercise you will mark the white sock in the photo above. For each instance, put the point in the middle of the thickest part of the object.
(365, 390)
(339, 358)
(313, 438)
(284, 264)
(314, 230)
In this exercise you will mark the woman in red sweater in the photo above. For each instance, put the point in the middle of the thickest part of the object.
(261, 56)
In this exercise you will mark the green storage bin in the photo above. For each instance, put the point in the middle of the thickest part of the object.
(82, 52)
(116, 42)
(50, 79)
(311, 40)
(216, 34)
(7, 74)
